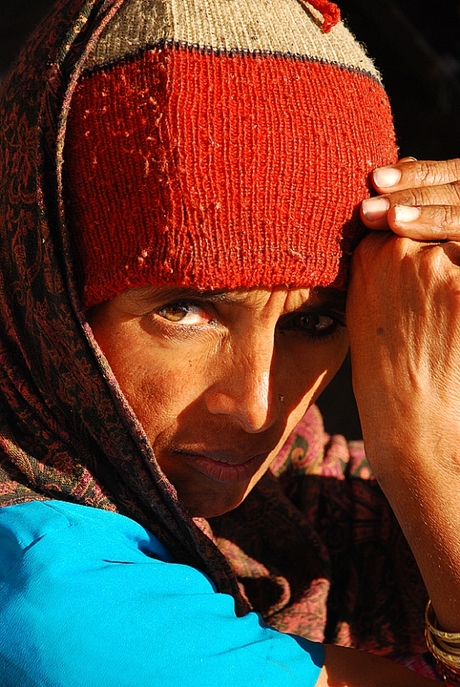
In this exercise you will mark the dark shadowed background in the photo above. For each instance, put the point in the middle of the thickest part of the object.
(415, 44)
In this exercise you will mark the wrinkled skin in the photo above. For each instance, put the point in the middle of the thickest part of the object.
(403, 317)
(219, 380)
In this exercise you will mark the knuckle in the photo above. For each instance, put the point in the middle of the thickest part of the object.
(401, 248)
(410, 196)
(366, 252)
(447, 215)
(427, 260)
(434, 173)
(451, 250)
(429, 173)
(455, 166)
(455, 186)
(444, 221)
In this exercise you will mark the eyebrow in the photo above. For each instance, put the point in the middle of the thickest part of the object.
(320, 297)
(221, 296)
(154, 294)
(330, 297)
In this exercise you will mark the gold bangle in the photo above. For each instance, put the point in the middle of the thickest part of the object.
(432, 622)
(445, 647)
(452, 663)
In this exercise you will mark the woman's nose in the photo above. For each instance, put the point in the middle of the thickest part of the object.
(245, 390)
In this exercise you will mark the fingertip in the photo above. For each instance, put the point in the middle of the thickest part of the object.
(402, 220)
(375, 209)
(376, 224)
(386, 177)
(404, 214)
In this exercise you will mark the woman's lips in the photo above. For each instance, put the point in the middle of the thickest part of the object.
(223, 470)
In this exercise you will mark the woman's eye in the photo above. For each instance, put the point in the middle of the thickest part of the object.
(313, 324)
(318, 323)
(184, 313)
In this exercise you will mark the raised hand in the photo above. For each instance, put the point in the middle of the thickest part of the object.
(403, 317)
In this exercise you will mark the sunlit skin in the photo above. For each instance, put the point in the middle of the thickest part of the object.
(218, 380)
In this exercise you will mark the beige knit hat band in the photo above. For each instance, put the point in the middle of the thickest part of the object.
(289, 27)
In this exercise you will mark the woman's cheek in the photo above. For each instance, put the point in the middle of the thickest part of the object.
(162, 390)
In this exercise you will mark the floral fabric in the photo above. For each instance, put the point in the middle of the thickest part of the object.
(320, 553)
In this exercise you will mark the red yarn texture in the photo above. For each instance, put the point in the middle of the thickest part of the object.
(248, 176)
(330, 12)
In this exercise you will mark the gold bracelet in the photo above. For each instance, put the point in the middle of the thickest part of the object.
(452, 663)
(432, 623)
(445, 647)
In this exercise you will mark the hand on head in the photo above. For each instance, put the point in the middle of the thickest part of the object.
(418, 199)
(403, 319)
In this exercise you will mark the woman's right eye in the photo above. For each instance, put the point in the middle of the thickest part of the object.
(184, 313)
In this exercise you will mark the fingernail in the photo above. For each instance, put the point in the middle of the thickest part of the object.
(375, 208)
(405, 213)
(386, 176)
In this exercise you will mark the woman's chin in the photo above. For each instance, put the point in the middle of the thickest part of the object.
(210, 506)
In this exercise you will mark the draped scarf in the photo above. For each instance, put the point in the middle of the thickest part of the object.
(66, 431)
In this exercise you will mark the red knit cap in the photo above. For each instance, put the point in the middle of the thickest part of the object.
(216, 144)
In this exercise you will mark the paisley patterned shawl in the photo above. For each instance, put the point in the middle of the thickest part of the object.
(65, 429)
(315, 546)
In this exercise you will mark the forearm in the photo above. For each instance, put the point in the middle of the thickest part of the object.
(404, 336)
(421, 480)
(350, 668)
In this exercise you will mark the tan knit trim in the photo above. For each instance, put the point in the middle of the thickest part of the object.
(138, 23)
(284, 26)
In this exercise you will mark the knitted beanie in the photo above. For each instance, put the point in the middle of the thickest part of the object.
(221, 144)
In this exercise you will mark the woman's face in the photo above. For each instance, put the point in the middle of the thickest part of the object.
(219, 379)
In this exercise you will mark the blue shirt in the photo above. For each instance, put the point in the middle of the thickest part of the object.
(82, 604)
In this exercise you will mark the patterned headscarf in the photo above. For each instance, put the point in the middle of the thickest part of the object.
(66, 431)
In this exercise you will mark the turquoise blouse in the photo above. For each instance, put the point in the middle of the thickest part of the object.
(84, 604)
